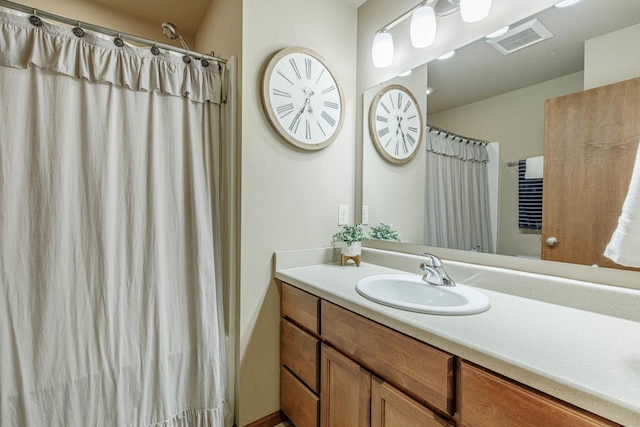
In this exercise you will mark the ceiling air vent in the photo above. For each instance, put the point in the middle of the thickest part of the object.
(522, 36)
(446, 7)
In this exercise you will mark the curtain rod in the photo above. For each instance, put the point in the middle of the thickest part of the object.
(108, 31)
(455, 135)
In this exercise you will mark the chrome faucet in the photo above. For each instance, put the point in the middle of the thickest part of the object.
(434, 272)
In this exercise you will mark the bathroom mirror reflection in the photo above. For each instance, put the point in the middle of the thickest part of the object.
(485, 95)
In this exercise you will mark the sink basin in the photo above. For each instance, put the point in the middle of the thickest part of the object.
(410, 293)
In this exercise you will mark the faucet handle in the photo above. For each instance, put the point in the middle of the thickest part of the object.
(434, 261)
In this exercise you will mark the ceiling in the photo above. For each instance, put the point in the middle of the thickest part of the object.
(186, 15)
(478, 71)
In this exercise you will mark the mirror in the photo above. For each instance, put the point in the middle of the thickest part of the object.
(483, 94)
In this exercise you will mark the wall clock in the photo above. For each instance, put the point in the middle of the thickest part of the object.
(302, 98)
(395, 124)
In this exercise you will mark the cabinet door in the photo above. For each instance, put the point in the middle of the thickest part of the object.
(392, 408)
(345, 391)
(488, 400)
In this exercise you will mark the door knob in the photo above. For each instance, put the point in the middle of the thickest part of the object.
(552, 241)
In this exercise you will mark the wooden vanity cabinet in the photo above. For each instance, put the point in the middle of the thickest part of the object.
(330, 357)
(487, 399)
(340, 369)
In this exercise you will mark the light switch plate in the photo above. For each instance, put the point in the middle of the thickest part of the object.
(343, 214)
(365, 214)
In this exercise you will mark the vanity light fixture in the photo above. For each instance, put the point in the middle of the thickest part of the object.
(405, 74)
(446, 55)
(382, 49)
(429, 90)
(423, 26)
(566, 3)
(474, 10)
(498, 33)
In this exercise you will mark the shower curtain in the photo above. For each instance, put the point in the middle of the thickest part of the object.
(110, 299)
(457, 194)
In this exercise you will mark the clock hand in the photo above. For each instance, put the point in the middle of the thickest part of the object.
(297, 117)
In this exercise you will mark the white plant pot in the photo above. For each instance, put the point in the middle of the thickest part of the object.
(353, 250)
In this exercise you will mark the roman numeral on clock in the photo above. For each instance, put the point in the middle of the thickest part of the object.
(284, 110)
(411, 139)
(382, 119)
(406, 107)
(307, 67)
(285, 77)
(295, 68)
(328, 119)
(329, 89)
(382, 132)
(333, 105)
(278, 92)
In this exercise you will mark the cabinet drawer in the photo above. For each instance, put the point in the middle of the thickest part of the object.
(420, 370)
(301, 307)
(299, 353)
(487, 399)
(298, 402)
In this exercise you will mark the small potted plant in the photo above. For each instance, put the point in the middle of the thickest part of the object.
(350, 238)
(384, 231)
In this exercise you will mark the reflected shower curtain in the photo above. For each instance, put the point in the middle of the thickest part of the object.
(457, 194)
(110, 300)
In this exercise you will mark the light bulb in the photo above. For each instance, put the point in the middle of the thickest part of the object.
(382, 50)
(446, 55)
(566, 3)
(474, 10)
(423, 27)
(498, 33)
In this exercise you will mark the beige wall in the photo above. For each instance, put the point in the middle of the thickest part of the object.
(289, 197)
(395, 193)
(221, 29)
(612, 58)
(104, 16)
(516, 120)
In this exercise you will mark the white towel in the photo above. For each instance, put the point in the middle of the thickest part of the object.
(533, 169)
(624, 247)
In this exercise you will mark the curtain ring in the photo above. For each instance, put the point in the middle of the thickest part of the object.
(186, 58)
(155, 50)
(78, 31)
(204, 62)
(118, 41)
(35, 20)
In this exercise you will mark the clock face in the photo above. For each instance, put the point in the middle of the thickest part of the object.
(395, 124)
(302, 98)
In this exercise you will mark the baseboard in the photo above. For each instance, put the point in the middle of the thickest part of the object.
(269, 420)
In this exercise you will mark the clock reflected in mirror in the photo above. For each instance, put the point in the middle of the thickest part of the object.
(395, 124)
(302, 98)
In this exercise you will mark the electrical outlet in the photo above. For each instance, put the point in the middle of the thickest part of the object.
(365, 215)
(343, 214)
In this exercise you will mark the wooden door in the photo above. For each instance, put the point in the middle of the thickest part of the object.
(590, 142)
(392, 408)
(345, 391)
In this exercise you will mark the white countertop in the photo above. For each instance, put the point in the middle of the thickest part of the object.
(588, 359)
